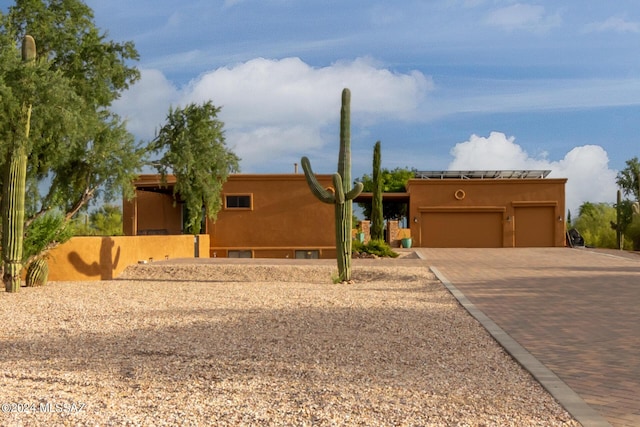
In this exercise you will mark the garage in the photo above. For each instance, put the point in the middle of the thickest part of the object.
(462, 229)
(534, 226)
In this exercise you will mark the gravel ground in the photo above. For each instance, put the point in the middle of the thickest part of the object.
(237, 345)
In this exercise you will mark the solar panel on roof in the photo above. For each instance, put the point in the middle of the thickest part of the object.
(488, 174)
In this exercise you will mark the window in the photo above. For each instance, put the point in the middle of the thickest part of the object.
(307, 254)
(238, 201)
(240, 254)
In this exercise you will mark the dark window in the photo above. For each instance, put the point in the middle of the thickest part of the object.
(240, 254)
(308, 254)
(239, 201)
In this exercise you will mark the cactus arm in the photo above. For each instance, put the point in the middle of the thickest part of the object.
(355, 191)
(337, 183)
(320, 192)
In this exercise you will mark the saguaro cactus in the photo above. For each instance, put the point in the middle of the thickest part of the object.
(636, 205)
(14, 191)
(618, 224)
(342, 194)
(377, 213)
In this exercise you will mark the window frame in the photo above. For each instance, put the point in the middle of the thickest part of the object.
(238, 208)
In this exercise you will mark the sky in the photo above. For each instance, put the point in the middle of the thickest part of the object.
(443, 84)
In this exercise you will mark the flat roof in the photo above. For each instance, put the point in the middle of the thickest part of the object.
(479, 174)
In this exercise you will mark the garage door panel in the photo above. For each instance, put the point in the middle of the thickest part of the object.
(462, 230)
(534, 226)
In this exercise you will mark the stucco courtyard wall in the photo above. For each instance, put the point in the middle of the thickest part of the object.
(103, 258)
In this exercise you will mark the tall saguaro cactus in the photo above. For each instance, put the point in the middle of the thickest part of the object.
(342, 195)
(13, 192)
(636, 206)
(377, 214)
(619, 235)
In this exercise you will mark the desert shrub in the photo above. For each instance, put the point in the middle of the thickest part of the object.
(375, 247)
(44, 233)
(632, 234)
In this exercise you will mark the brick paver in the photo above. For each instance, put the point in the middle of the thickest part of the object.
(577, 311)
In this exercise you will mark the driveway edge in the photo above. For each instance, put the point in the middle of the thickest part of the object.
(569, 399)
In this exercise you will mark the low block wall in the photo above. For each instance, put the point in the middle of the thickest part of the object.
(103, 258)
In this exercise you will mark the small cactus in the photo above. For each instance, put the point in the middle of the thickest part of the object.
(342, 195)
(37, 272)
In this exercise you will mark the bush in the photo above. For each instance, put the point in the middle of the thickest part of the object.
(375, 247)
(633, 233)
(44, 233)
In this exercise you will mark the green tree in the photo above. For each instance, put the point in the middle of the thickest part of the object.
(627, 178)
(377, 221)
(393, 181)
(594, 224)
(107, 220)
(193, 149)
(80, 149)
(104, 221)
(76, 148)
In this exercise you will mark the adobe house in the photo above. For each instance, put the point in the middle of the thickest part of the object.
(276, 216)
(262, 216)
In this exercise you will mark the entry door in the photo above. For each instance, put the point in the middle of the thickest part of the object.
(535, 226)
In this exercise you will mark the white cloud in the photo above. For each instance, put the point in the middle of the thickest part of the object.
(495, 152)
(276, 110)
(521, 16)
(615, 24)
(146, 104)
(586, 167)
(268, 92)
(287, 144)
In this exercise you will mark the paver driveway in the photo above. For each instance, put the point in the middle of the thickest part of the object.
(577, 311)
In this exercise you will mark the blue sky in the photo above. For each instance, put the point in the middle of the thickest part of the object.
(448, 84)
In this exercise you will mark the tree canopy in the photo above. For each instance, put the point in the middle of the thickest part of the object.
(78, 148)
(393, 181)
(627, 178)
(193, 148)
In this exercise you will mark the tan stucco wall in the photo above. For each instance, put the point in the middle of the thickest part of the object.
(284, 214)
(103, 258)
(498, 203)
